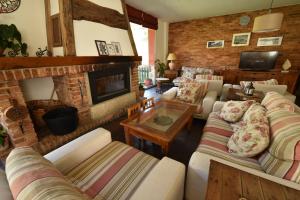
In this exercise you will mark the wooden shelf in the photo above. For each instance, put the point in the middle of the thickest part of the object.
(35, 62)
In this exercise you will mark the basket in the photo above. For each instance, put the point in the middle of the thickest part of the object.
(37, 109)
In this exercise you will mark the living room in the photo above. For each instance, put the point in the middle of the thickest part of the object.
(140, 99)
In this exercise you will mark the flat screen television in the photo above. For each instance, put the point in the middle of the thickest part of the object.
(258, 60)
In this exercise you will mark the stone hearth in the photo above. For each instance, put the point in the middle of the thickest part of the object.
(66, 79)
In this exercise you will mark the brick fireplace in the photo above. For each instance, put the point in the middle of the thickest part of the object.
(69, 78)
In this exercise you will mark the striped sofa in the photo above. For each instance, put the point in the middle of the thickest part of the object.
(213, 146)
(92, 167)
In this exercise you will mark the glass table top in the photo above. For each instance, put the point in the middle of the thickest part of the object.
(161, 117)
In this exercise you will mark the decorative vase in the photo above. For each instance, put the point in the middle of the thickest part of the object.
(172, 65)
(148, 82)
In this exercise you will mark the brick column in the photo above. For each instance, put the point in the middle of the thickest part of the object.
(68, 91)
(8, 90)
(135, 79)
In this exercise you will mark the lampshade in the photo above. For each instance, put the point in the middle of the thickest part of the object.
(267, 23)
(171, 56)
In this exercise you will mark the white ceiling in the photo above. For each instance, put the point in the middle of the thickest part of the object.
(181, 10)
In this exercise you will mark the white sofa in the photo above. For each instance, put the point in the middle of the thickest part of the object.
(214, 91)
(198, 168)
(165, 181)
(281, 89)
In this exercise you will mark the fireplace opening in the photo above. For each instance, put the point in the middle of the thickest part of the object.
(109, 82)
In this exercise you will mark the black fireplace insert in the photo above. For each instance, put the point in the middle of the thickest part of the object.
(109, 82)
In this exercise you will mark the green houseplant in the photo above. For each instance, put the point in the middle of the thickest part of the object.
(3, 138)
(160, 67)
(10, 38)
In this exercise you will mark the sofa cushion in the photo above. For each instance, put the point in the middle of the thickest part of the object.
(267, 82)
(189, 74)
(232, 111)
(253, 136)
(273, 100)
(191, 92)
(286, 169)
(198, 70)
(216, 134)
(31, 176)
(285, 134)
(5, 193)
(208, 77)
(114, 172)
(280, 89)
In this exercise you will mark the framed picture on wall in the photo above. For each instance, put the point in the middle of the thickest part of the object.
(269, 41)
(101, 47)
(240, 39)
(215, 44)
(111, 49)
(117, 47)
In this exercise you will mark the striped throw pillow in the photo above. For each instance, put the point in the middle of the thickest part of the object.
(285, 134)
(31, 176)
(273, 100)
(289, 170)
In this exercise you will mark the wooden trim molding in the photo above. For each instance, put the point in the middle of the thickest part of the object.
(36, 62)
(67, 29)
(85, 10)
(129, 29)
(48, 25)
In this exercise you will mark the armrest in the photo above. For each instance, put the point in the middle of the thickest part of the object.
(164, 182)
(208, 102)
(290, 97)
(74, 152)
(218, 106)
(170, 94)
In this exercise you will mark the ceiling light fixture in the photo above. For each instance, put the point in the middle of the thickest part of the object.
(268, 22)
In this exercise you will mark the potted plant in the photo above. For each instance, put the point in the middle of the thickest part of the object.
(141, 90)
(4, 143)
(160, 67)
(10, 38)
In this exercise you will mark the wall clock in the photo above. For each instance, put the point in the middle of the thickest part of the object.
(244, 20)
(8, 6)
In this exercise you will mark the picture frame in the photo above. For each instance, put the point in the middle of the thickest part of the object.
(117, 47)
(111, 49)
(215, 44)
(101, 47)
(269, 41)
(241, 39)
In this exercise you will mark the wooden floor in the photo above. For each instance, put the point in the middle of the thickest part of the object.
(181, 149)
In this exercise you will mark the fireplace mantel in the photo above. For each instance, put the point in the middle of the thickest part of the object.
(7, 63)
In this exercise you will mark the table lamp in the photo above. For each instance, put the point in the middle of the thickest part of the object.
(171, 57)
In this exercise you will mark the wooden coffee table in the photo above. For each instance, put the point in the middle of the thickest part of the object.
(228, 183)
(159, 124)
(238, 95)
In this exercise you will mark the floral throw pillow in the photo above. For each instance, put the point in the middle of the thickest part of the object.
(252, 137)
(189, 74)
(232, 111)
(191, 92)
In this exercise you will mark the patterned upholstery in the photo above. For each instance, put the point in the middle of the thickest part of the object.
(31, 176)
(267, 82)
(283, 156)
(216, 134)
(281, 168)
(273, 100)
(114, 172)
(191, 92)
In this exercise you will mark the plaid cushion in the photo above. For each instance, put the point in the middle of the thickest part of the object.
(216, 134)
(114, 172)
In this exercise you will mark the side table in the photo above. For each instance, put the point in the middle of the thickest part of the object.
(159, 82)
(228, 183)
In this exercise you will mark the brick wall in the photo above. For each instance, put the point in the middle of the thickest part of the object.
(66, 80)
(188, 39)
